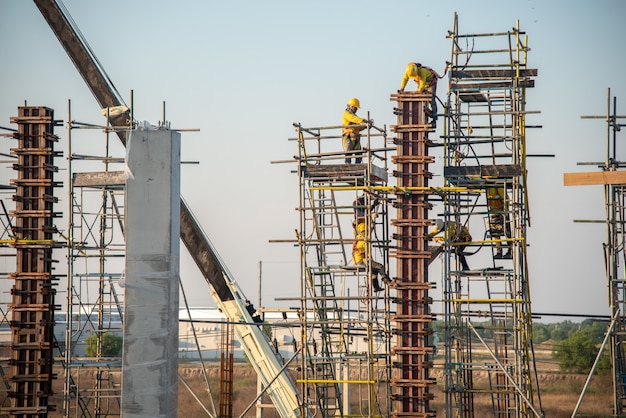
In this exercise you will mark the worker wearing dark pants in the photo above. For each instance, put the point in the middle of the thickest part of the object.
(459, 248)
(351, 136)
(457, 235)
(498, 219)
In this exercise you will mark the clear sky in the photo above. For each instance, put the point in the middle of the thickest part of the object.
(244, 71)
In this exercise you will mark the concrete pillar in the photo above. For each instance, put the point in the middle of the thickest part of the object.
(150, 354)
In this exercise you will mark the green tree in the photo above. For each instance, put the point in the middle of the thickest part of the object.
(541, 333)
(597, 329)
(578, 352)
(111, 345)
(562, 330)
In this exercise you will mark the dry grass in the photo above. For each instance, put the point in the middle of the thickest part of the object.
(559, 394)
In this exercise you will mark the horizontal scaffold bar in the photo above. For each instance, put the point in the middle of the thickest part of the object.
(29, 241)
(500, 170)
(355, 382)
(494, 73)
(487, 300)
(398, 189)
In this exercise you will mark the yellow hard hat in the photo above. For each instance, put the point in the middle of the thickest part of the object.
(354, 102)
(360, 228)
(413, 69)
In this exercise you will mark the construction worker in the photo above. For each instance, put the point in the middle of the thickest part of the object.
(360, 209)
(456, 234)
(426, 79)
(361, 258)
(498, 219)
(351, 137)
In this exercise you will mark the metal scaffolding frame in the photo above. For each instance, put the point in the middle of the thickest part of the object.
(487, 312)
(615, 206)
(339, 307)
(614, 182)
(95, 266)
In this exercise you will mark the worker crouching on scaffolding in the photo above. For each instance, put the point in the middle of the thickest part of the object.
(361, 258)
(351, 136)
(426, 79)
(456, 234)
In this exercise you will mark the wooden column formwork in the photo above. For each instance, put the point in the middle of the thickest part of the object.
(32, 306)
(411, 381)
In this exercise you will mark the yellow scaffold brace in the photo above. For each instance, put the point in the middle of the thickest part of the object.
(28, 241)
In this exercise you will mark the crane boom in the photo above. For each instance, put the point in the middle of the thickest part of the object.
(224, 289)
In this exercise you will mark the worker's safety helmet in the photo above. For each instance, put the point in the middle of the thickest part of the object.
(439, 224)
(360, 228)
(414, 69)
(354, 102)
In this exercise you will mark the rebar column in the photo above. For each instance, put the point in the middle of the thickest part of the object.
(411, 381)
(32, 306)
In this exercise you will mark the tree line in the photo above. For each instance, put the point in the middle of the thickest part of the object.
(575, 345)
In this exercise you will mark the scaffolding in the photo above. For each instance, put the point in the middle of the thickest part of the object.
(344, 319)
(488, 349)
(95, 266)
(614, 181)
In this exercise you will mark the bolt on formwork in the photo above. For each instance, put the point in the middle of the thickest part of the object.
(614, 181)
(487, 315)
(344, 305)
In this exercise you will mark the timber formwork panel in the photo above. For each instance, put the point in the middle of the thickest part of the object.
(32, 304)
(411, 381)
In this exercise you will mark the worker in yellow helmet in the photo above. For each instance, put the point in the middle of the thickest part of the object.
(426, 79)
(351, 136)
(361, 258)
(456, 234)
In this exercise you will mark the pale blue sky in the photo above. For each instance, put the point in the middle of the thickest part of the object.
(244, 71)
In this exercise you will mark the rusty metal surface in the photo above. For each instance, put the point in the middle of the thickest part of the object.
(411, 381)
(32, 305)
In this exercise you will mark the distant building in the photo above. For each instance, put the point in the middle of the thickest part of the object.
(207, 323)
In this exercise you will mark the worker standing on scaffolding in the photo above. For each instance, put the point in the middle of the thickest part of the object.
(426, 79)
(456, 234)
(351, 136)
(361, 258)
(498, 220)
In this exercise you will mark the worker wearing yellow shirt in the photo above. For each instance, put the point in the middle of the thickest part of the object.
(426, 79)
(360, 257)
(351, 136)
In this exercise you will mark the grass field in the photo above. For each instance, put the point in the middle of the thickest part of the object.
(559, 393)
